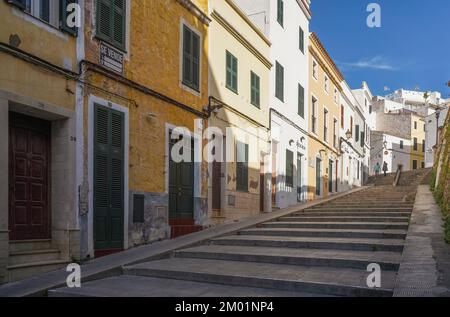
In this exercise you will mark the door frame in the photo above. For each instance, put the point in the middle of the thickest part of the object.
(197, 165)
(103, 102)
(48, 191)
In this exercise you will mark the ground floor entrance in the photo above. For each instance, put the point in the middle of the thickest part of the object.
(29, 159)
(181, 189)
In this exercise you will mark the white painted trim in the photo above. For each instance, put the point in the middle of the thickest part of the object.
(197, 165)
(106, 103)
(312, 70)
(183, 23)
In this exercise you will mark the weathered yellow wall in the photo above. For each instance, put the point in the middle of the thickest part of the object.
(153, 61)
(418, 133)
(45, 42)
(324, 100)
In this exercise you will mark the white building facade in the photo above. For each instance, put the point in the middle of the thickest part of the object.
(362, 129)
(352, 157)
(286, 24)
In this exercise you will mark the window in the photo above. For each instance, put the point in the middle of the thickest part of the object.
(301, 101)
(314, 115)
(422, 164)
(280, 12)
(289, 168)
(414, 164)
(335, 130)
(301, 36)
(342, 117)
(401, 144)
(351, 124)
(415, 144)
(362, 139)
(279, 82)
(241, 166)
(327, 84)
(315, 70)
(255, 89)
(423, 146)
(191, 59)
(336, 96)
(357, 133)
(370, 109)
(415, 125)
(49, 11)
(325, 125)
(111, 22)
(232, 72)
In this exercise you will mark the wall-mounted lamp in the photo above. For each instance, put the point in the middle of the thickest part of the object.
(213, 107)
(348, 134)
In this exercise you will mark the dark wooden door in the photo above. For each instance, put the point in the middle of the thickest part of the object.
(299, 178)
(108, 178)
(216, 186)
(318, 176)
(29, 161)
(181, 184)
(330, 176)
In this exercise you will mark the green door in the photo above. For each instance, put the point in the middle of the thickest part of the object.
(299, 178)
(318, 175)
(108, 178)
(330, 176)
(181, 185)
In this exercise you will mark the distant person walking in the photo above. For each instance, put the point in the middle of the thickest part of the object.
(377, 169)
(385, 168)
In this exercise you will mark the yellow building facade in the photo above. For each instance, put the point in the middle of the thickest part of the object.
(239, 86)
(38, 59)
(146, 86)
(417, 156)
(324, 112)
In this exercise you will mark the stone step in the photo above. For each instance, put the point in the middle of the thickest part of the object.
(30, 245)
(287, 256)
(24, 257)
(353, 214)
(326, 233)
(343, 219)
(141, 286)
(22, 271)
(358, 209)
(338, 225)
(391, 245)
(364, 205)
(321, 280)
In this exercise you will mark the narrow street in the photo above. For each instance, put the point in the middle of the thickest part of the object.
(323, 250)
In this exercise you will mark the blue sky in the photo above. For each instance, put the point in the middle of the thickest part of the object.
(412, 47)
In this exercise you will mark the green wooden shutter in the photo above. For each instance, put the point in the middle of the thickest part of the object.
(101, 177)
(111, 22)
(279, 81)
(280, 12)
(301, 101)
(255, 89)
(63, 17)
(302, 40)
(231, 72)
(289, 168)
(362, 139)
(21, 4)
(108, 178)
(191, 58)
(357, 133)
(242, 167)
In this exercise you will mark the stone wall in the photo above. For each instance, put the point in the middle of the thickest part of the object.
(441, 175)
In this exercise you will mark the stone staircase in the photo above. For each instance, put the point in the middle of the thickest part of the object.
(32, 257)
(323, 250)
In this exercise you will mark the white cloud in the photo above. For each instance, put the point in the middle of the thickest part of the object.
(376, 62)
